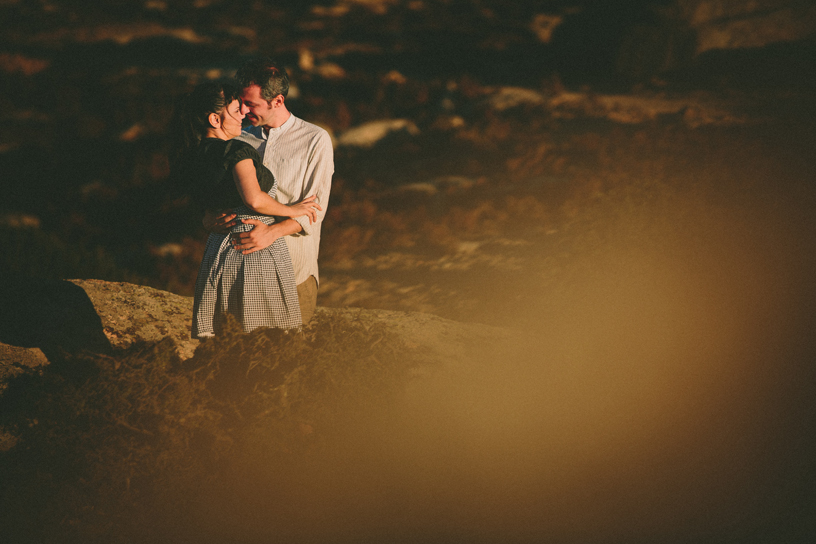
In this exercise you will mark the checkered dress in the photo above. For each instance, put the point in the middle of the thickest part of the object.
(258, 289)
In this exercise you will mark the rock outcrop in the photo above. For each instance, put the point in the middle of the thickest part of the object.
(679, 33)
(732, 24)
(102, 316)
(135, 313)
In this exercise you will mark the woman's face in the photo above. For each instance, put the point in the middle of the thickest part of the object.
(231, 119)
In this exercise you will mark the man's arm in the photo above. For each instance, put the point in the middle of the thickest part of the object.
(218, 222)
(262, 235)
(317, 181)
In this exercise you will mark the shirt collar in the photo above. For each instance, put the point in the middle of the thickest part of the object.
(279, 130)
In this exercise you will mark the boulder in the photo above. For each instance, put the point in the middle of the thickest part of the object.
(135, 313)
(369, 134)
(44, 319)
(103, 316)
(733, 24)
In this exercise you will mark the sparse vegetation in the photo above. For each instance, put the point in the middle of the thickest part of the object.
(99, 438)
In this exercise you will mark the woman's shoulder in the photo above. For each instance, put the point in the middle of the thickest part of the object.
(225, 148)
(235, 151)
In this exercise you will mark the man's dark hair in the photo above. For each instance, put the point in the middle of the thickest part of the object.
(269, 75)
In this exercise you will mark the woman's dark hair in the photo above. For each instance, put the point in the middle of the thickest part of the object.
(190, 116)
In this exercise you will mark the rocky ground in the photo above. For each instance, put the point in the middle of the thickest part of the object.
(111, 317)
(449, 121)
(593, 224)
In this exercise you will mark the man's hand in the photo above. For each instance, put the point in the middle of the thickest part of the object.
(262, 235)
(219, 222)
(307, 207)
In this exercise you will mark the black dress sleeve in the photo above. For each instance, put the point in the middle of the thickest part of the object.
(237, 151)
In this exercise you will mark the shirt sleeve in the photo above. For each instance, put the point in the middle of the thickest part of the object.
(237, 151)
(317, 180)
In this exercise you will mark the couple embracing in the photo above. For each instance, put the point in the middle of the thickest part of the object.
(273, 179)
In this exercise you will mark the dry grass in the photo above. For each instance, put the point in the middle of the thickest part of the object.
(101, 440)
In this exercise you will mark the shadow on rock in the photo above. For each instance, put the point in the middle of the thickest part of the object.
(53, 315)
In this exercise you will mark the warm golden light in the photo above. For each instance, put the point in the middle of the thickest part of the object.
(661, 393)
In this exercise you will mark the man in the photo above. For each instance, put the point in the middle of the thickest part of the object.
(301, 157)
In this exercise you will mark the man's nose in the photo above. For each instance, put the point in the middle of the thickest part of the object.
(244, 109)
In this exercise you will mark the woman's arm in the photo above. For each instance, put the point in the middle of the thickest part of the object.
(246, 180)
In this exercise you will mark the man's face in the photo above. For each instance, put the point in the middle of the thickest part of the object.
(259, 112)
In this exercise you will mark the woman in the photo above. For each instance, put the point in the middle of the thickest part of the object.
(219, 172)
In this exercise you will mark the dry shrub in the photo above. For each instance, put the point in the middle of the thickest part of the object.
(532, 161)
(176, 271)
(28, 66)
(524, 208)
(345, 242)
(101, 439)
(32, 252)
(94, 431)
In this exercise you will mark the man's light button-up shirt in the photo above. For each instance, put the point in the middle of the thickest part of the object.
(301, 157)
